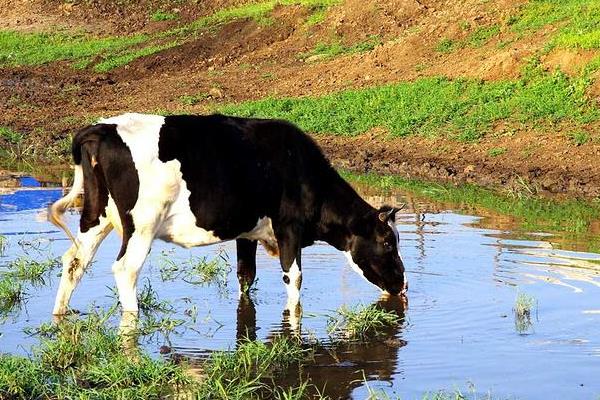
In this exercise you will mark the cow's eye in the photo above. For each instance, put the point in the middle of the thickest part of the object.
(387, 245)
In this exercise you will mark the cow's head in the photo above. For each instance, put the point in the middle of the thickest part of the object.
(374, 251)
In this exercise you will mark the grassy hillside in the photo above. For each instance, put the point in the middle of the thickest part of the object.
(518, 81)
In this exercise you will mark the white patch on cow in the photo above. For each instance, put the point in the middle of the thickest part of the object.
(163, 208)
(294, 283)
(76, 260)
(392, 225)
(354, 266)
(293, 296)
(126, 270)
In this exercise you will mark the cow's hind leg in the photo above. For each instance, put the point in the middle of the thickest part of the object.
(127, 267)
(246, 263)
(76, 260)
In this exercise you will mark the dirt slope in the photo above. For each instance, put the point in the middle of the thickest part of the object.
(245, 59)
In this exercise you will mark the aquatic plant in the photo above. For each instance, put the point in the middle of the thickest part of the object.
(84, 358)
(524, 304)
(11, 294)
(360, 322)
(30, 270)
(3, 245)
(197, 270)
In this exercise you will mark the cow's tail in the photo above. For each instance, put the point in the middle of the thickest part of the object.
(57, 209)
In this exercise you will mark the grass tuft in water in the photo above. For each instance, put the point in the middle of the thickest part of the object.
(360, 322)
(84, 359)
(524, 307)
(3, 245)
(197, 270)
(30, 270)
(12, 294)
(241, 374)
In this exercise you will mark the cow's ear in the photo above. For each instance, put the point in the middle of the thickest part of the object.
(362, 225)
(389, 213)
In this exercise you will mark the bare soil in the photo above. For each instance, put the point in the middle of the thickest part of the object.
(245, 60)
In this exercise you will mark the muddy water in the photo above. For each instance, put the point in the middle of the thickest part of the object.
(459, 329)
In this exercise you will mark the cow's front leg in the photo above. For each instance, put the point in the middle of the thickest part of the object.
(126, 269)
(75, 262)
(246, 264)
(289, 241)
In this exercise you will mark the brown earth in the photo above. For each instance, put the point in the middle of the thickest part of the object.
(245, 60)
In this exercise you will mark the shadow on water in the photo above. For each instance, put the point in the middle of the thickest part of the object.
(465, 268)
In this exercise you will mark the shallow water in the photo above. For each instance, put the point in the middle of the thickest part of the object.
(458, 331)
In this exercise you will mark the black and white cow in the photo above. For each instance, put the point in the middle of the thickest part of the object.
(198, 180)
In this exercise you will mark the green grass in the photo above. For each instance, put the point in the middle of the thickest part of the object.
(19, 49)
(534, 213)
(579, 137)
(577, 21)
(84, 359)
(160, 15)
(496, 151)
(477, 38)
(191, 100)
(3, 245)
(524, 307)
(30, 270)
(360, 322)
(465, 109)
(10, 135)
(197, 270)
(12, 294)
(106, 53)
(337, 48)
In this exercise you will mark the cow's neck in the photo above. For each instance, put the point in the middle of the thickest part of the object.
(342, 205)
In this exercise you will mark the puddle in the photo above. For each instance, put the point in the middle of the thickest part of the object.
(459, 326)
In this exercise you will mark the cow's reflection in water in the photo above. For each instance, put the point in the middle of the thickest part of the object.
(338, 367)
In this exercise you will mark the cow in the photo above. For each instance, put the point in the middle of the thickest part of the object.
(195, 180)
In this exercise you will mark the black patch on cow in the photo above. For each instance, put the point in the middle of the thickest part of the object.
(108, 168)
(286, 279)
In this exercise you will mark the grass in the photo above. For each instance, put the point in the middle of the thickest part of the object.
(192, 100)
(360, 322)
(10, 135)
(30, 270)
(534, 213)
(106, 53)
(496, 151)
(3, 245)
(577, 21)
(337, 48)
(84, 359)
(11, 294)
(524, 306)
(579, 137)
(464, 109)
(475, 39)
(242, 374)
(197, 270)
(160, 15)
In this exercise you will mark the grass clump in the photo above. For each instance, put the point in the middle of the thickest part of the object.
(535, 213)
(577, 21)
(84, 358)
(360, 322)
(464, 109)
(29, 270)
(242, 374)
(3, 245)
(11, 136)
(496, 151)
(446, 46)
(12, 294)
(524, 306)
(192, 100)
(482, 35)
(578, 138)
(336, 48)
(197, 270)
(160, 15)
